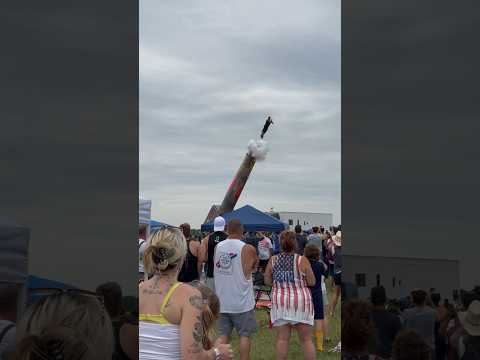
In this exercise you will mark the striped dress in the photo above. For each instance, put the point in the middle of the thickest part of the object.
(291, 297)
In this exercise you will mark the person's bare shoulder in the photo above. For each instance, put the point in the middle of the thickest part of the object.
(187, 294)
(194, 247)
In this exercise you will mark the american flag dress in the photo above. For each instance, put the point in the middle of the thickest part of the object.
(291, 297)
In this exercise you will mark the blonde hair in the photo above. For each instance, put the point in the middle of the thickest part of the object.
(167, 248)
(65, 326)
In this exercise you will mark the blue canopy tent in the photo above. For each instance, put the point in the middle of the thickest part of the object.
(154, 224)
(35, 282)
(252, 220)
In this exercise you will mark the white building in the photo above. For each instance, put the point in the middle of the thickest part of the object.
(400, 275)
(306, 219)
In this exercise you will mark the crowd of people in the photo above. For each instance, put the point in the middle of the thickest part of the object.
(194, 293)
(190, 290)
(419, 327)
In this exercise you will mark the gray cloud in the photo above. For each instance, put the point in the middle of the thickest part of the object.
(209, 74)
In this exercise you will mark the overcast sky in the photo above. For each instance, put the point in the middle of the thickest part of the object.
(210, 72)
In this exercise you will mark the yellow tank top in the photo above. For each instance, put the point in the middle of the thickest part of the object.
(160, 318)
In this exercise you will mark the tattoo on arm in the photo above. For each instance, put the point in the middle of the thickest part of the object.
(197, 334)
(196, 301)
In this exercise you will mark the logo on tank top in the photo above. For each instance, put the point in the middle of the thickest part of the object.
(224, 264)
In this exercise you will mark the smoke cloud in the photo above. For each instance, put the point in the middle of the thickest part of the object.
(258, 149)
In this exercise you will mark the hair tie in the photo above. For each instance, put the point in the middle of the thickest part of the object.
(161, 255)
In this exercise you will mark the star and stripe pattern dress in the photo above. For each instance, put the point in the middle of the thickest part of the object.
(291, 297)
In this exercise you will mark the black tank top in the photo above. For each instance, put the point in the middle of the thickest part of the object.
(189, 270)
(213, 240)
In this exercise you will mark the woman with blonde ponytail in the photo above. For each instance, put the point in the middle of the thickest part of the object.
(172, 313)
(65, 325)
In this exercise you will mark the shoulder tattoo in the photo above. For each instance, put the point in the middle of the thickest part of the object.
(196, 301)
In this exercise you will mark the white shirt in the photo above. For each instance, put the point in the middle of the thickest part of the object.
(264, 247)
(233, 289)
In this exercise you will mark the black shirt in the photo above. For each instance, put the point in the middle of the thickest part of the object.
(301, 242)
(189, 271)
(387, 326)
(213, 240)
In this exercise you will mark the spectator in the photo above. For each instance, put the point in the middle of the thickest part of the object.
(301, 239)
(421, 318)
(65, 325)
(265, 251)
(312, 253)
(170, 311)
(125, 327)
(315, 238)
(8, 316)
(276, 243)
(409, 345)
(234, 263)
(451, 329)
(329, 254)
(292, 305)
(469, 343)
(337, 270)
(190, 269)
(357, 331)
(208, 246)
(440, 341)
(387, 325)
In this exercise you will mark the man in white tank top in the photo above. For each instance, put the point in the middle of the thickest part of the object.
(234, 263)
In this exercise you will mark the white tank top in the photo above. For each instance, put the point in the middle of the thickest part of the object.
(159, 342)
(159, 339)
(233, 289)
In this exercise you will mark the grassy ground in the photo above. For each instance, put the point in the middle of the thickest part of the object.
(263, 345)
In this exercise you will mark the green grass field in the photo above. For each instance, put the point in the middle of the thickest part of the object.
(263, 346)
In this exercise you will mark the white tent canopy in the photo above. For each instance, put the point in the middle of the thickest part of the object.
(144, 211)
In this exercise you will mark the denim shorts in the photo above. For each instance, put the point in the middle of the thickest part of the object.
(245, 323)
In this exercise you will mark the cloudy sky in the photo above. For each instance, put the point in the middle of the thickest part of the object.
(210, 72)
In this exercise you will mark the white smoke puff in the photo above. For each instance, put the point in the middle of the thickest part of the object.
(258, 149)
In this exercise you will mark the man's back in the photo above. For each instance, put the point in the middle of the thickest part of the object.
(422, 320)
(301, 242)
(316, 240)
(233, 288)
(387, 326)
